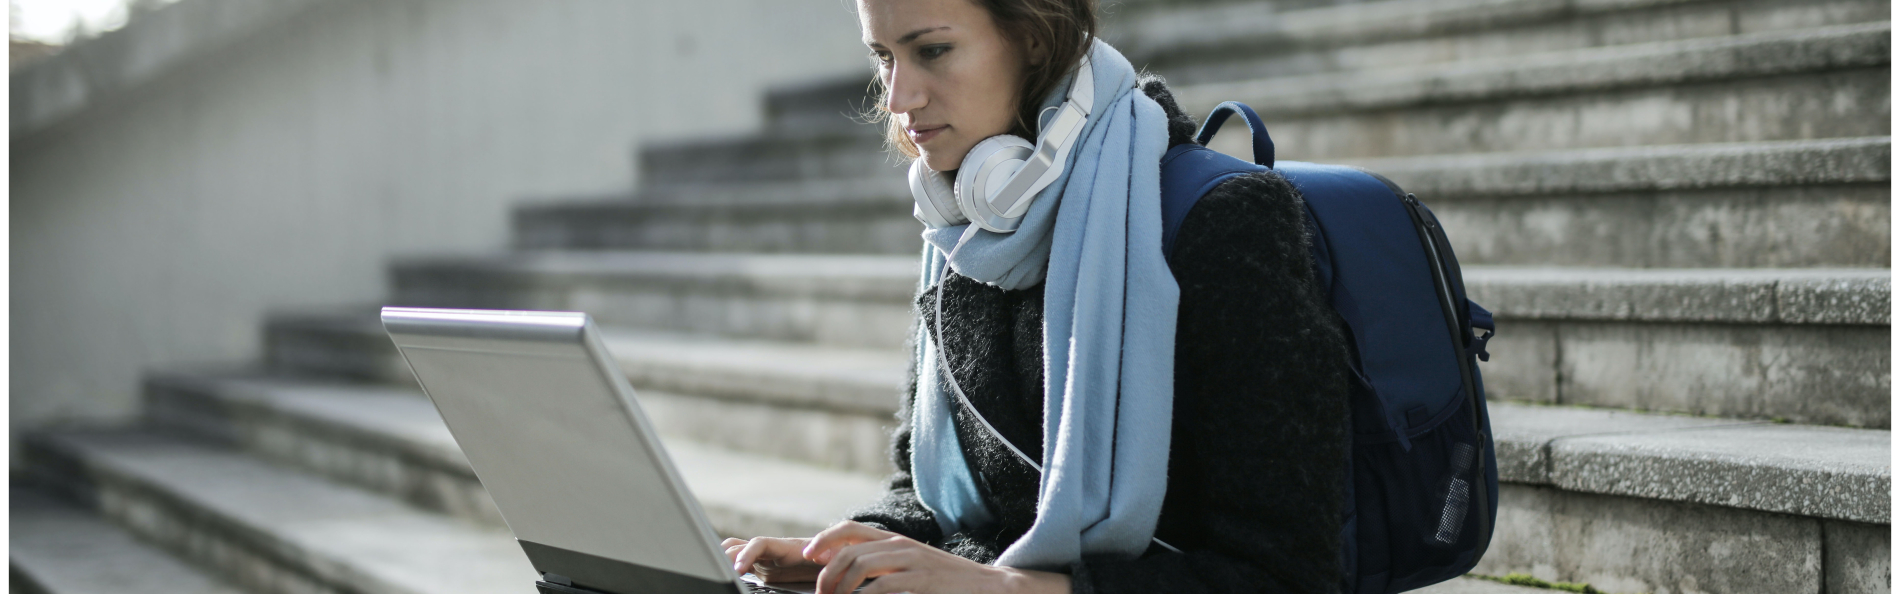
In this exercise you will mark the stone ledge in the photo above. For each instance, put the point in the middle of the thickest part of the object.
(1821, 472)
(1641, 169)
(57, 548)
(1724, 295)
(1720, 462)
(830, 276)
(1206, 27)
(852, 380)
(881, 191)
(344, 342)
(1553, 73)
(1736, 295)
(261, 523)
(1435, 178)
(1623, 544)
(806, 376)
(393, 441)
(1810, 374)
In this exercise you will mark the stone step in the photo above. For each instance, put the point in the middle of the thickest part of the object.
(1808, 345)
(1224, 41)
(849, 152)
(1235, 41)
(1826, 82)
(390, 440)
(1763, 204)
(870, 215)
(1655, 503)
(1804, 345)
(270, 529)
(1789, 204)
(820, 106)
(1716, 500)
(1475, 585)
(827, 406)
(341, 342)
(57, 548)
(1831, 473)
(831, 299)
(1821, 82)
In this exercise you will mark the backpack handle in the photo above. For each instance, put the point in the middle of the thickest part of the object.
(1262, 143)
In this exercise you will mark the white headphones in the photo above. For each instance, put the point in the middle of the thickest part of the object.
(1000, 176)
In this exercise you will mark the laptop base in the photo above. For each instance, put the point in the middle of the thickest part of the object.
(544, 587)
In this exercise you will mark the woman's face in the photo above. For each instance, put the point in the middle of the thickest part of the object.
(953, 77)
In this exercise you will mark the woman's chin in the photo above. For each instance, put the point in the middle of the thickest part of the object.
(941, 162)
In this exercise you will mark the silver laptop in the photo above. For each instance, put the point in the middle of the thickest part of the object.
(552, 429)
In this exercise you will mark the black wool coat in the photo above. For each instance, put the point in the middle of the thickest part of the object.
(1257, 463)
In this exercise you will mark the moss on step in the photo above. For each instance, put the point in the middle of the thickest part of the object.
(1524, 579)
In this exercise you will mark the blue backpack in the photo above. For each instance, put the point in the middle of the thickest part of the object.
(1422, 480)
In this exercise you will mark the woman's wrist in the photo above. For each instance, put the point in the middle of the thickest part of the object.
(1029, 581)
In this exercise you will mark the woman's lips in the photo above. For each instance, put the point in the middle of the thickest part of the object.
(923, 135)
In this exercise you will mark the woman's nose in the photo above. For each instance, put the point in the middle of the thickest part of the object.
(907, 93)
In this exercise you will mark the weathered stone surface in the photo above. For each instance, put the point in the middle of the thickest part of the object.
(1470, 585)
(867, 381)
(788, 375)
(853, 442)
(1523, 365)
(344, 342)
(392, 441)
(1821, 49)
(1220, 41)
(1523, 434)
(813, 216)
(1859, 558)
(1830, 299)
(1830, 375)
(1641, 169)
(1727, 205)
(272, 530)
(1621, 544)
(801, 500)
(1834, 104)
(1823, 472)
(1743, 296)
(55, 548)
(819, 106)
(1789, 227)
(388, 440)
(836, 299)
(854, 153)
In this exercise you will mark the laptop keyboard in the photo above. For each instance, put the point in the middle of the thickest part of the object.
(764, 589)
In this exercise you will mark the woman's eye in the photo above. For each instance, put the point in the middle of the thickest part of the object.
(881, 57)
(930, 52)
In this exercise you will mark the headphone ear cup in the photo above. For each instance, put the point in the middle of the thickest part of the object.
(986, 169)
(936, 200)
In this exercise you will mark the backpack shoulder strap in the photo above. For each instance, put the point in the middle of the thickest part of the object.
(1188, 172)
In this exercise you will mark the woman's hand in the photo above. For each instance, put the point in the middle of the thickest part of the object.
(772, 559)
(852, 553)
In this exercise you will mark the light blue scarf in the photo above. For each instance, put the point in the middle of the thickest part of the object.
(1108, 340)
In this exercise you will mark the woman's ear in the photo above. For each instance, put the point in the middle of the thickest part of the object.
(1035, 53)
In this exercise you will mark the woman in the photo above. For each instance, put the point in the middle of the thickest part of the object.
(1201, 436)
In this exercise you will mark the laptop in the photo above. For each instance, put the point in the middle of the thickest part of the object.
(553, 431)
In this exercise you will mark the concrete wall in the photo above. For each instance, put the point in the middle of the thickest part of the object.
(155, 225)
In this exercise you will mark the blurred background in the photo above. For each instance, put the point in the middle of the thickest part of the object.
(1678, 209)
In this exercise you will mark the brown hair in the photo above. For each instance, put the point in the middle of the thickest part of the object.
(1065, 28)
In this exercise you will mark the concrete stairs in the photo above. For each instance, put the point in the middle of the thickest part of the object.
(1678, 209)
(59, 549)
